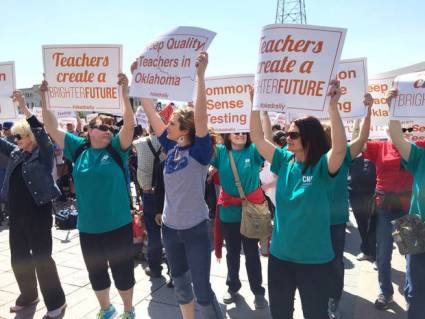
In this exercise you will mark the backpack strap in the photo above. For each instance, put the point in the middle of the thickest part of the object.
(80, 150)
(117, 158)
(154, 152)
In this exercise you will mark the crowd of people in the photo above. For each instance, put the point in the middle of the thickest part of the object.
(306, 174)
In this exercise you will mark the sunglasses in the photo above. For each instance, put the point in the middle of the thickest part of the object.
(19, 137)
(103, 128)
(404, 130)
(240, 133)
(293, 135)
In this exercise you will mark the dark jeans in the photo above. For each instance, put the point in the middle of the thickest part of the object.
(338, 244)
(312, 281)
(360, 205)
(113, 249)
(189, 251)
(31, 252)
(234, 241)
(384, 248)
(154, 232)
(415, 286)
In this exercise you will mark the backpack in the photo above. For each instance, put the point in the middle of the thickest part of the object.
(66, 219)
(157, 175)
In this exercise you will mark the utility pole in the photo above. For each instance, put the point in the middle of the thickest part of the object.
(291, 11)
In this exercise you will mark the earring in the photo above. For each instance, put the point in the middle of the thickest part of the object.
(180, 140)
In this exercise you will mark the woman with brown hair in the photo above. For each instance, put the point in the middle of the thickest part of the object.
(301, 248)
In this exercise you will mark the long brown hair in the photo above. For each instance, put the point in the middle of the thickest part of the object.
(313, 140)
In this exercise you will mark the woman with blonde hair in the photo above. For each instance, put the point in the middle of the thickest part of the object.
(29, 189)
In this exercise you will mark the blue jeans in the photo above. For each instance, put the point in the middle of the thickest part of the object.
(414, 291)
(384, 249)
(338, 244)
(154, 232)
(189, 257)
(312, 281)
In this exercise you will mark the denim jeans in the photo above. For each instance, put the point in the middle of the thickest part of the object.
(189, 257)
(414, 291)
(312, 281)
(384, 249)
(338, 244)
(154, 232)
(234, 241)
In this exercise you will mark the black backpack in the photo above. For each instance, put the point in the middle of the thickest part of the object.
(158, 175)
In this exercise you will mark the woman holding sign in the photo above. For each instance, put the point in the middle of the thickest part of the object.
(301, 250)
(104, 218)
(29, 189)
(189, 149)
(414, 161)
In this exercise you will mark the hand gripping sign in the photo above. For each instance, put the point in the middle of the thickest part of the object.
(166, 68)
(83, 77)
(7, 86)
(295, 65)
(228, 104)
(410, 101)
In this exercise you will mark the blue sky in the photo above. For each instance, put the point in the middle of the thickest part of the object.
(389, 33)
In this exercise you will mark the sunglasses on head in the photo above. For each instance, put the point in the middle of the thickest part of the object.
(409, 129)
(18, 137)
(293, 135)
(103, 127)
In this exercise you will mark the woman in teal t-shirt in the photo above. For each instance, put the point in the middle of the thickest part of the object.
(301, 249)
(248, 164)
(104, 218)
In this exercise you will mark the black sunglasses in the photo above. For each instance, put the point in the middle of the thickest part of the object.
(240, 133)
(18, 137)
(404, 130)
(103, 128)
(293, 135)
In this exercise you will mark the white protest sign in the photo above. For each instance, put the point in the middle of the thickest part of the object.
(63, 121)
(65, 114)
(166, 68)
(91, 116)
(7, 86)
(295, 65)
(277, 118)
(141, 117)
(410, 102)
(228, 104)
(83, 77)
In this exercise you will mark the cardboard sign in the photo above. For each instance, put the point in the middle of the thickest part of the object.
(7, 86)
(295, 65)
(166, 68)
(141, 118)
(410, 102)
(228, 104)
(83, 77)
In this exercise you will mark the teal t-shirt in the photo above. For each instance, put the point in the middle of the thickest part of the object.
(248, 163)
(339, 192)
(301, 231)
(100, 186)
(416, 166)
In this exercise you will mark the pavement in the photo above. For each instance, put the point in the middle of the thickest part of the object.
(153, 299)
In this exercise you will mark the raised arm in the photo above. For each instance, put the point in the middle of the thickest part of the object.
(149, 107)
(200, 111)
(18, 98)
(358, 144)
(266, 125)
(396, 133)
(265, 147)
(49, 119)
(339, 141)
(127, 130)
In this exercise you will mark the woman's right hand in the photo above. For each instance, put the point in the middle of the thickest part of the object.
(391, 94)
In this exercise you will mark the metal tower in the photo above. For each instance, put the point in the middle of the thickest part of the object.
(291, 11)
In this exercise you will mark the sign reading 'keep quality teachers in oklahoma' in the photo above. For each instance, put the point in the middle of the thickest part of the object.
(7, 86)
(166, 68)
(295, 65)
(83, 77)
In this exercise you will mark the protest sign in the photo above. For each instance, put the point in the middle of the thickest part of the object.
(141, 118)
(91, 116)
(295, 65)
(228, 102)
(278, 118)
(83, 77)
(7, 86)
(410, 101)
(166, 68)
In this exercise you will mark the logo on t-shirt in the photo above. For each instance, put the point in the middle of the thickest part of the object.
(247, 163)
(307, 180)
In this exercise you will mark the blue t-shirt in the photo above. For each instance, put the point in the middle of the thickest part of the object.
(339, 192)
(416, 166)
(100, 185)
(185, 174)
(248, 163)
(301, 231)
